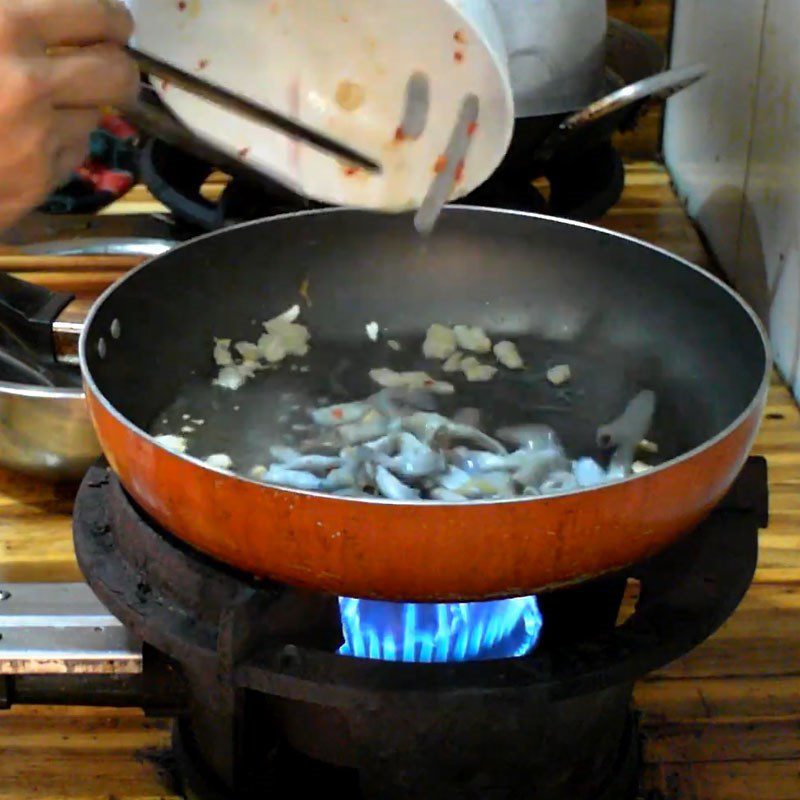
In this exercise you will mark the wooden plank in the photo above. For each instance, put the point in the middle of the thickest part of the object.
(651, 16)
(700, 743)
(81, 753)
(712, 700)
(742, 780)
(761, 639)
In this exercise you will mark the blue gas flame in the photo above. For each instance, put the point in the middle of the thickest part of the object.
(439, 632)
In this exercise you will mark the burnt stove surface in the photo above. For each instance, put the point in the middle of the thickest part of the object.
(266, 703)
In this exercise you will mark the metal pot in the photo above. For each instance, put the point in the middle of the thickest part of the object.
(45, 429)
(556, 51)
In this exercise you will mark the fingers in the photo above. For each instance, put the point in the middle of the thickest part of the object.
(74, 22)
(93, 77)
(73, 131)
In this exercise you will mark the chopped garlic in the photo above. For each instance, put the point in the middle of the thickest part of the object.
(272, 348)
(283, 339)
(508, 355)
(258, 472)
(646, 446)
(638, 467)
(187, 429)
(248, 351)
(230, 378)
(473, 339)
(222, 352)
(220, 461)
(290, 315)
(440, 342)
(177, 444)
(394, 345)
(390, 379)
(453, 364)
(475, 372)
(559, 375)
(373, 331)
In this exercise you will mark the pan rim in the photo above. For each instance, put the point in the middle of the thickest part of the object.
(752, 406)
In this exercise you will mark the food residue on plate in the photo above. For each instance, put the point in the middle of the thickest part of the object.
(349, 95)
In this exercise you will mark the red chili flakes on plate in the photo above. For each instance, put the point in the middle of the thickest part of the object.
(399, 135)
(181, 5)
(458, 56)
(350, 171)
(202, 63)
(244, 152)
(473, 126)
(459, 173)
(337, 413)
(440, 165)
(460, 37)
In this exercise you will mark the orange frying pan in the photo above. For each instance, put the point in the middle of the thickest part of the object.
(625, 316)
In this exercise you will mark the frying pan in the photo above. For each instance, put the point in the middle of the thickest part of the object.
(626, 316)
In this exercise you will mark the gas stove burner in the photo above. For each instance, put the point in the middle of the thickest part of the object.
(439, 632)
(268, 701)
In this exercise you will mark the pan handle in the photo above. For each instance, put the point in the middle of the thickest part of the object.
(43, 324)
(27, 314)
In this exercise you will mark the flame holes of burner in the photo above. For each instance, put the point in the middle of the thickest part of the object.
(439, 632)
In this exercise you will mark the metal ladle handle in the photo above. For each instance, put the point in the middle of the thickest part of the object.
(660, 86)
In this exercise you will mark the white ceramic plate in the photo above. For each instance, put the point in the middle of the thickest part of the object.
(341, 66)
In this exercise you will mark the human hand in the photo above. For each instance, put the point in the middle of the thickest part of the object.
(61, 62)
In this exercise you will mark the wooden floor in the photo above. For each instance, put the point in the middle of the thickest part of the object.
(721, 724)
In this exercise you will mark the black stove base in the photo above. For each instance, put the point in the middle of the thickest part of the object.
(270, 706)
(292, 773)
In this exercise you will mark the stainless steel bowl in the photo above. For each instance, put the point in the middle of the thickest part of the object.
(46, 431)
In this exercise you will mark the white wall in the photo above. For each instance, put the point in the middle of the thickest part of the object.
(733, 146)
